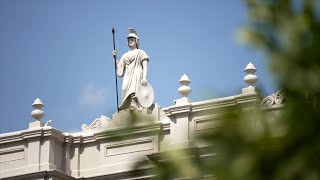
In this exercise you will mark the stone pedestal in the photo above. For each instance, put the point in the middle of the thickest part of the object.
(126, 116)
(36, 124)
(250, 89)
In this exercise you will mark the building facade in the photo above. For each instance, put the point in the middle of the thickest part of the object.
(107, 149)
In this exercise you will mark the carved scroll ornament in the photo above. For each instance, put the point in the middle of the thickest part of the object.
(274, 99)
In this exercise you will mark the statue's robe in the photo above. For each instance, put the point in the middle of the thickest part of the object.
(130, 67)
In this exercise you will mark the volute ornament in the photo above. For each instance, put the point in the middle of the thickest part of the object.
(274, 99)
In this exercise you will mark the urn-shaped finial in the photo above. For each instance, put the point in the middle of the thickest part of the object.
(184, 90)
(37, 113)
(250, 78)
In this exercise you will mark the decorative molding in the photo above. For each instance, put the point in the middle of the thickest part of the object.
(11, 137)
(68, 138)
(12, 154)
(51, 174)
(274, 99)
(96, 124)
(177, 109)
(129, 147)
(207, 123)
(77, 139)
(248, 98)
(166, 126)
(155, 127)
(49, 131)
(214, 104)
(88, 138)
(32, 133)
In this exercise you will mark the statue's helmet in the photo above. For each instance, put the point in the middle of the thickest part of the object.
(133, 34)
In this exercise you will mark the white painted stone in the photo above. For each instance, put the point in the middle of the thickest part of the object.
(184, 90)
(106, 150)
(36, 124)
(133, 67)
(250, 79)
(37, 114)
(97, 124)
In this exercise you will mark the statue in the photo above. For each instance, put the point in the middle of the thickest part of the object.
(133, 67)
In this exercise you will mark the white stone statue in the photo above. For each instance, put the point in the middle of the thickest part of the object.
(133, 67)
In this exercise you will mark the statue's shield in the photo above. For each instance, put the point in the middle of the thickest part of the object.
(145, 95)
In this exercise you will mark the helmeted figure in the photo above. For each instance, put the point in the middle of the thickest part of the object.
(133, 68)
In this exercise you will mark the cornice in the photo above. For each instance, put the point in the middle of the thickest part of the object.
(177, 109)
(210, 104)
(247, 98)
(88, 138)
(214, 104)
(115, 132)
(54, 133)
(32, 133)
(78, 139)
(10, 137)
(68, 138)
(166, 126)
(52, 174)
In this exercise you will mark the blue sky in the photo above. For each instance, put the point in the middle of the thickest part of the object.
(60, 51)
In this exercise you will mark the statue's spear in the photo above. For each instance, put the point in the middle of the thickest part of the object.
(115, 67)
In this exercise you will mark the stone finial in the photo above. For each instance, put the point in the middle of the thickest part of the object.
(250, 78)
(37, 114)
(184, 90)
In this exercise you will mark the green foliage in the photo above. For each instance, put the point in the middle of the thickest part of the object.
(288, 32)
